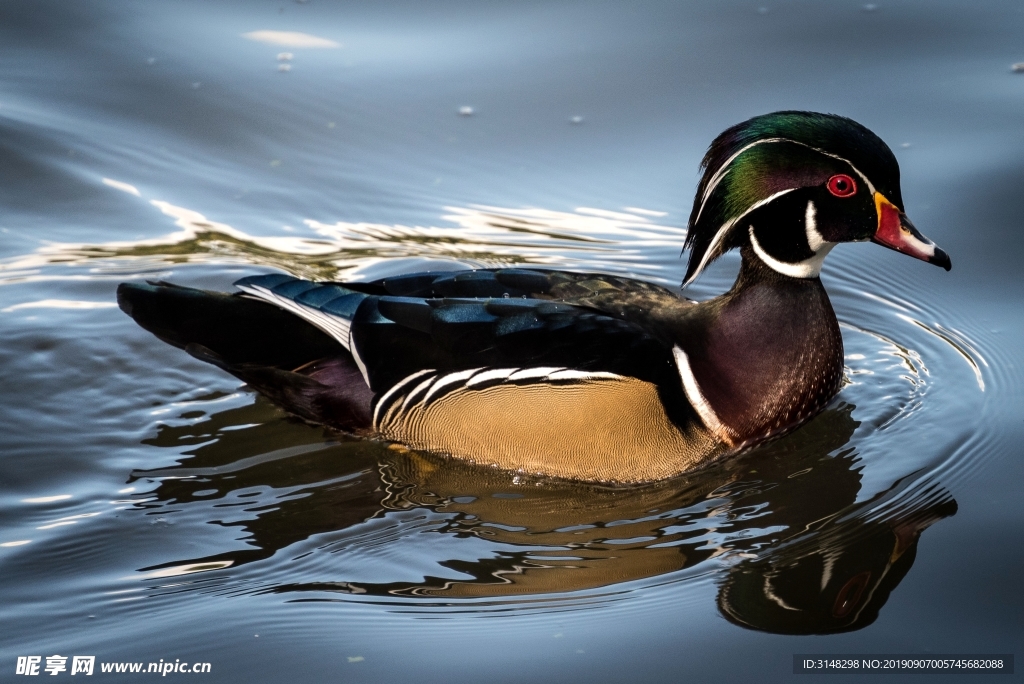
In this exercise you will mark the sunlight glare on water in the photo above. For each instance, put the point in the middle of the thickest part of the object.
(153, 508)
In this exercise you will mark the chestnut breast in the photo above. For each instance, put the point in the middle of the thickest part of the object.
(770, 357)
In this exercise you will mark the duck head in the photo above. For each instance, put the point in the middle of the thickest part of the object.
(792, 185)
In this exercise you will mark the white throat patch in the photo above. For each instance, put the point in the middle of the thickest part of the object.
(808, 268)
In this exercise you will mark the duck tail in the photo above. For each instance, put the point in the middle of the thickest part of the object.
(292, 362)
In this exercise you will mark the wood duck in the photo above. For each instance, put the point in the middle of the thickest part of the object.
(581, 375)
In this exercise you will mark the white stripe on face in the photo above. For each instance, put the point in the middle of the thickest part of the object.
(724, 230)
(814, 239)
(728, 225)
(808, 268)
(727, 166)
(724, 169)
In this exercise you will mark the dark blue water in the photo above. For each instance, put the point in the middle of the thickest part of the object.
(154, 509)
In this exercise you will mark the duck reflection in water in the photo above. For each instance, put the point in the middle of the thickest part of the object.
(798, 553)
(836, 577)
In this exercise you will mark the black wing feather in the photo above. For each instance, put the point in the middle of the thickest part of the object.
(507, 282)
(456, 333)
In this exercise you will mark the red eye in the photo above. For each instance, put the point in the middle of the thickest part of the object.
(841, 185)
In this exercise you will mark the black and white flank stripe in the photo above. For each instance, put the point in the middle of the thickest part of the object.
(421, 389)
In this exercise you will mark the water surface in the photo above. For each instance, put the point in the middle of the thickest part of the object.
(153, 508)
